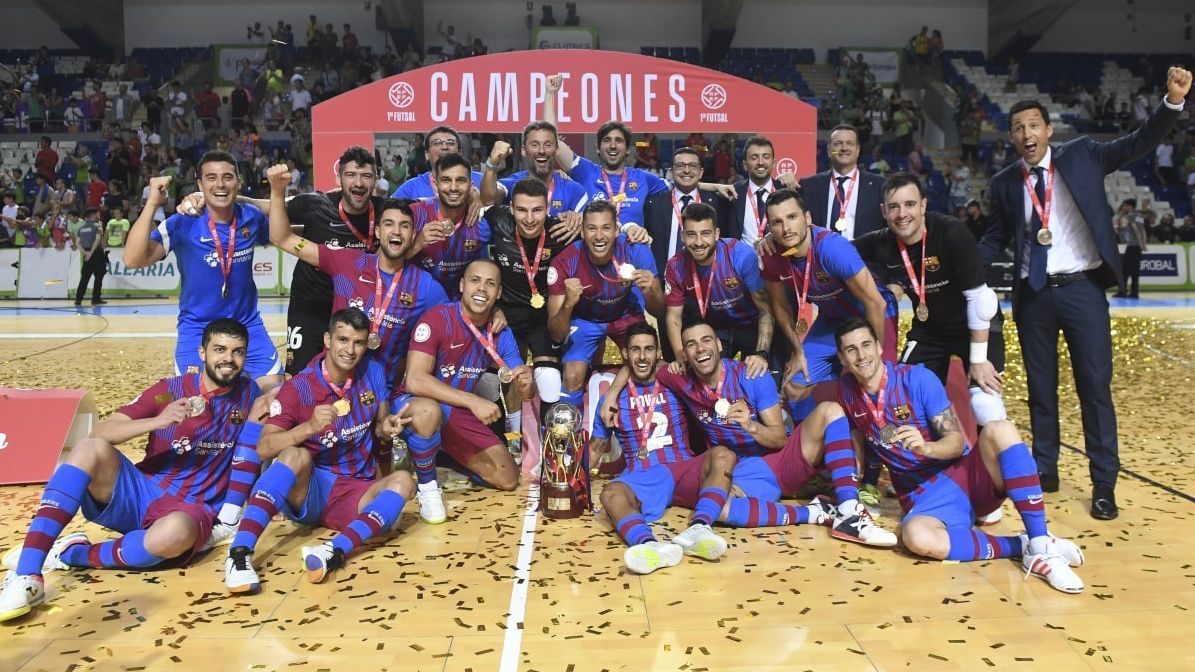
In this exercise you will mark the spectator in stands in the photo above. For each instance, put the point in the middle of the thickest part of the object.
(10, 208)
(919, 45)
(42, 195)
(1186, 231)
(411, 58)
(225, 115)
(330, 78)
(300, 97)
(96, 188)
(119, 160)
(450, 43)
(118, 227)
(240, 107)
(46, 161)
(58, 231)
(571, 18)
(73, 116)
(916, 167)
(1191, 189)
(63, 196)
(903, 121)
(547, 18)
(207, 102)
(999, 157)
(55, 107)
(1149, 216)
(936, 46)
(647, 152)
(313, 32)
(478, 48)
(969, 128)
(396, 174)
(40, 227)
(1141, 105)
(154, 104)
(150, 140)
(254, 34)
(1130, 231)
(350, 42)
(976, 221)
(879, 165)
(1166, 231)
(123, 105)
(723, 158)
(1124, 118)
(696, 140)
(1164, 162)
(176, 100)
(271, 113)
(115, 197)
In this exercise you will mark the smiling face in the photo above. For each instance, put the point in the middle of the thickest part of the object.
(788, 223)
(758, 161)
(346, 347)
(219, 183)
(700, 238)
(439, 144)
(481, 286)
(453, 185)
(612, 150)
(357, 182)
(843, 150)
(687, 171)
(531, 212)
(598, 231)
(860, 354)
(703, 350)
(641, 354)
(540, 149)
(223, 358)
(1030, 134)
(904, 209)
(395, 233)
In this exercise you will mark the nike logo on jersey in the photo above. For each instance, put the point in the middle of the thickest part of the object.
(454, 346)
(204, 240)
(362, 278)
(859, 415)
(785, 277)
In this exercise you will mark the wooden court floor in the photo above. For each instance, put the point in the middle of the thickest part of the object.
(495, 588)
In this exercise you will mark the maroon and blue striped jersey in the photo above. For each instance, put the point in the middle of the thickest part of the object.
(666, 437)
(759, 393)
(604, 298)
(460, 357)
(835, 260)
(446, 260)
(735, 274)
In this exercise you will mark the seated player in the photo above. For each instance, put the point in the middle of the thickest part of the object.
(391, 292)
(324, 470)
(742, 414)
(166, 505)
(810, 266)
(453, 345)
(717, 280)
(598, 287)
(903, 416)
(214, 249)
(446, 239)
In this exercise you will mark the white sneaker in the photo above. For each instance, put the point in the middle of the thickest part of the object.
(20, 595)
(1052, 545)
(700, 541)
(860, 528)
(52, 562)
(431, 503)
(222, 534)
(821, 511)
(992, 518)
(649, 556)
(1055, 569)
(239, 575)
(322, 560)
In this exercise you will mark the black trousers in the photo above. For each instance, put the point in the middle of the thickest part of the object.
(95, 267)
(1130, 270)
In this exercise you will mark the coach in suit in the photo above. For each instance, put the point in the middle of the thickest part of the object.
(1051, 207)
(860, 192)
(662, 210)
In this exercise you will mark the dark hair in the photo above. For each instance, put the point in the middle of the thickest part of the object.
(781, 195)
(529, 186)
(845, 127)
(696, 322)
(362, 156)
(1024, 105)
(1129, 201)
(403, 205)
(223, 326)
(699, 212)
(614, 125)
(351, 317)
(480, 260)
(539, 126)
(685, 150)
(427, 139)
(452, 160)
(217, 156)
(852, 324)
(640, 329)
(600, 207)
(901, 179)
(90, 211)
(757, 141)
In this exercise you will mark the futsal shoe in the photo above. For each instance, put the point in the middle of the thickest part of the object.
(239, 575)
(431, 503)
(861, 529)
(1054, 568)
(821, 511)
(322, 560)
(53, 557)
(1052, 545)
(222, 534)
(990, 519)
(20, 595)
(700, 541)
(649, 556)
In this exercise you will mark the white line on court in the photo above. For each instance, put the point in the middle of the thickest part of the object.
(513, 642)
(108, 334)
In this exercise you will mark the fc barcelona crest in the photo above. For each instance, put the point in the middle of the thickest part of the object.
(406, 299)
(244, 231)
(546, 255)
(731, 282)
(556, 205)
(901, 412)
(367, 397)
(471, 244)
(932, 264)
(237, 417)
(633, 186)
(820, 276)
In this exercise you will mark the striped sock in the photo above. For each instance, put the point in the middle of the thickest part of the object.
(127, 552)
(968, 543)
(755, 512)
(246, 467)
(59, 503)
(269, 496)
(423, 451)
(709, 504)
(840, 460)
(799, 410)
(573, 397)
(1023, 487)
(378, 515)
(634, 530)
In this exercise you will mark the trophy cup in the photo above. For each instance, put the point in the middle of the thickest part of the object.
(564, 488)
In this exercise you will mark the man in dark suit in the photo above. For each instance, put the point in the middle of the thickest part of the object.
(845, 199)
(661, 214)
(1051, 207)
(748, 216)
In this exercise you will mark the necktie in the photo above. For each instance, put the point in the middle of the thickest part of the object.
(685, 201)
(835, 209)
(760, 196)
(1037, 253)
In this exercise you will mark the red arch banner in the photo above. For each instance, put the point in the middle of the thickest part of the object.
(502, 93)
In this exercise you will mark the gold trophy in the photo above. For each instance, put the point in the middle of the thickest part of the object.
(564, 488)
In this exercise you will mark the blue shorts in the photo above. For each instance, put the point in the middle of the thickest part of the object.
(945, 500)
(587, 339)
(756, 479)
(661, 485)
(332, 500)
(821, 354)
(261, 359)
(137, 502)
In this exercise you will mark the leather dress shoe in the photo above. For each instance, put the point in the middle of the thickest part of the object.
(1049, 482)
(1103, 503)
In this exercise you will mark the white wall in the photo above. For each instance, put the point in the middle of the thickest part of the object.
(30, 28)
(826, 24)
(1087, 28)
(174, 23)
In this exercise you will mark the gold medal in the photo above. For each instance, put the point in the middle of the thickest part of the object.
(537, 301)
(505, 375)
(196, 405)
(342, 407)
(888, 434)
(840, 225)
(721, 408)
(373, 341)
(1044, 237)
(922, 312)
(802, 327)
(448, 228)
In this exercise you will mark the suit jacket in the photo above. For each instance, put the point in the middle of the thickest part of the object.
(657, 218)
(815, 189)
(1082, 164)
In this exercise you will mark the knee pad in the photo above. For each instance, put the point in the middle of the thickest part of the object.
(488, 387)
(547, 381)
(988, 408)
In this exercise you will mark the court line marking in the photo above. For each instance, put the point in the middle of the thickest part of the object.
(107, 334)
(513, 641)
(1141, 477)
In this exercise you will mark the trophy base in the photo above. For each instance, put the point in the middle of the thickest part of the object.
(558, 501)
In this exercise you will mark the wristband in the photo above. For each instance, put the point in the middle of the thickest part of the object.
(979, 352)
(489, 166)
(763, 354)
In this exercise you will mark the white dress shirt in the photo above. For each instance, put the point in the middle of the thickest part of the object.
(675, 242)
(750, 224)
(1073, 249)
(852, 201)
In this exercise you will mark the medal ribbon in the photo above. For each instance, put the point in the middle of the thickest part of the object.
(760, 219)
(622, 190)
(803, 292)
(646, 411)
(918, 287)
(530, 270)
(206, 394)
(703, 300)
(225, 262)
(487, 341)
(341, 391)
(717, 391)
(676, 205)
(344, 217)
(379, 306)
(853, 178)
(876, 408)
(617, 266)
(1043, 211)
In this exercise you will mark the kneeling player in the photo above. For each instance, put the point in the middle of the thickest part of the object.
(905, 418)
(165, 505)
(324, 471)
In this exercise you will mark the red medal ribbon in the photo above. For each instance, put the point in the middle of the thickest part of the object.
(487, 342)
(717, 391)
(622, 188)
(344, 217)
(1043, 211)
(379, 306)
(703, 300)
(225, 262)
(918, 287)
(206, 394)
(676, 205)
(646, 410)
(530, 270)
(803, 310)
(877, 408)
(760, 219)
(341, 391)
(551, 188)
(853, 178)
